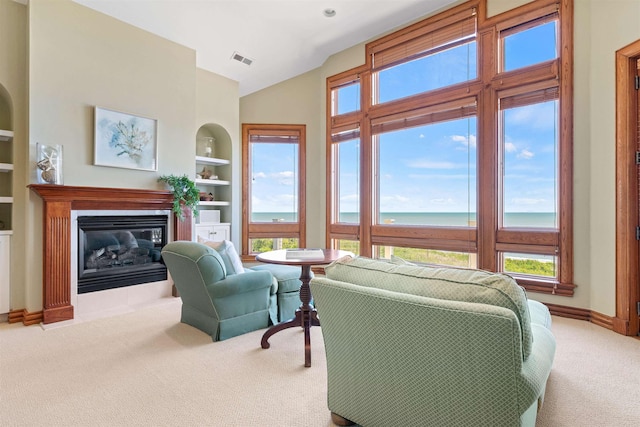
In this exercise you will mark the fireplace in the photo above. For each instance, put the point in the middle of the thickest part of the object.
(59, 202)
(121, 250)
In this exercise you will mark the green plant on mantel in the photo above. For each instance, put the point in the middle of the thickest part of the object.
(185, 193)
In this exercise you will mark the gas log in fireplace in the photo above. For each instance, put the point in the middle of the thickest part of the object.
(117, 251)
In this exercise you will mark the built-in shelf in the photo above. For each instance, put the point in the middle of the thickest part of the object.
(6, 135)
(213, 203)
(6, 201)
(211, 161)
(211, 182)
(213, 179)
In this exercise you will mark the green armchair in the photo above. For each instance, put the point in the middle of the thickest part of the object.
(410, 345)
(221, 305)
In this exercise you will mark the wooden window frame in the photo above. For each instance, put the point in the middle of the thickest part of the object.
(336, 124)
(552, 78)
(253, 230)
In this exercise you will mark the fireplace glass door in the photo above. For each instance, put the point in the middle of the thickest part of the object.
(117, 251)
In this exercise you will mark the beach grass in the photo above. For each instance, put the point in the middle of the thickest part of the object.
(527, 266)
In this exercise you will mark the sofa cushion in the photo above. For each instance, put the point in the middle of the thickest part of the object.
(227, 252)
(288, 276)
(539, 313)
(455, 284)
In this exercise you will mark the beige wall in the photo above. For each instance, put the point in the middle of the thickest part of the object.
(79, 59)
(13, 66)
(495, 7)
(613, 24)
(601, 27)
(298, 101)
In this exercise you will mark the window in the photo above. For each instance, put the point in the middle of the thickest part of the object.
(464, 144)
(529, 264)
(266, 245)
(347, 98)
(530, 165)
(348, 245)
(410, 161)
(429, 256)
(346, 173)
(517, 41)
(273, 187)
(440, 69)
(344, 153)
(436, 55)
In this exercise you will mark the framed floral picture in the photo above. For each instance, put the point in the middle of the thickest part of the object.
(125, 141)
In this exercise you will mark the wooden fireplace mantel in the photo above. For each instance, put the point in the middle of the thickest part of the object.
(59, 201)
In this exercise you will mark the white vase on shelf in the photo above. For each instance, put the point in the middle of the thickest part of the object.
(207, 146)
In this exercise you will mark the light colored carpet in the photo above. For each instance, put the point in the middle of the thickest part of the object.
(595, 379)
(146, 368)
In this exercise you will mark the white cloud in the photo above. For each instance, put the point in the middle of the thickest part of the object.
(467, 142)
(273, 203)
(525, 154)
(255, 202)
(282, 178)
(442, 201)
(509, 147)
(537, 116)
(284, 174)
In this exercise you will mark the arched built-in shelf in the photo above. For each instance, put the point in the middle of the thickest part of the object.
(213, 179)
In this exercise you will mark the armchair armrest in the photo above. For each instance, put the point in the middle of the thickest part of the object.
(240, 283)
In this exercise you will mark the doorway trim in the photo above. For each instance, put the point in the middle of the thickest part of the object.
(626, 320)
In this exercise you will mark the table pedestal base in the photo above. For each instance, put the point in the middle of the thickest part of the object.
(303, 318)
(306, 317)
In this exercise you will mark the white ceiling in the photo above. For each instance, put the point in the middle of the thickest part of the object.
(284, 38)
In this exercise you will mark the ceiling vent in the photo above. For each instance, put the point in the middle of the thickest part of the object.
(241, 58)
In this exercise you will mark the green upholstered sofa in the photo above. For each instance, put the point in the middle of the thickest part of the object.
(412, 345)
(220, 304)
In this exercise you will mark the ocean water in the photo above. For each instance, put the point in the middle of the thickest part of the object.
(453, 219)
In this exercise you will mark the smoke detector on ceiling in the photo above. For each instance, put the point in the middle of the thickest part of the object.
(241, 58)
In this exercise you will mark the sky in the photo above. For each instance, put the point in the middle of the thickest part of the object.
(433, 168)
(274, 177)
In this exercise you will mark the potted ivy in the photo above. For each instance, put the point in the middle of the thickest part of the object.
(185, 193)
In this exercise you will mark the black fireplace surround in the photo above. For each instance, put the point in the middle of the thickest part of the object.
(118, 251)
